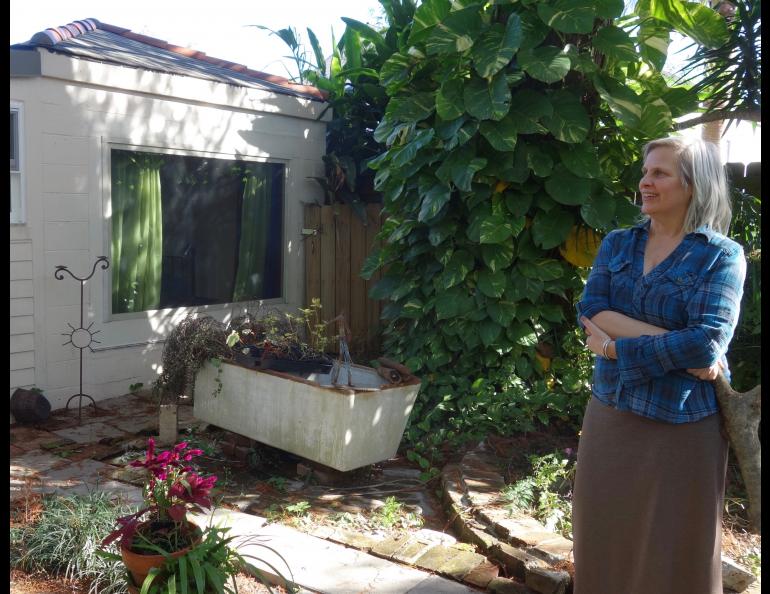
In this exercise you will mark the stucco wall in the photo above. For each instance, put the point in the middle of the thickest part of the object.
(70, 127)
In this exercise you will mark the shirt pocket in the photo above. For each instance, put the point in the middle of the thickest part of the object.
(678, 283)
(621, 282)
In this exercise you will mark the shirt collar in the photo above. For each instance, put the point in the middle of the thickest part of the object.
(704, 230)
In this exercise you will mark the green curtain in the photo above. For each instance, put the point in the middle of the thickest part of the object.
(255, 227)
(137, 231)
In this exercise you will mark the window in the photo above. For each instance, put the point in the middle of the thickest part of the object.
(17, 181)
(190, 231)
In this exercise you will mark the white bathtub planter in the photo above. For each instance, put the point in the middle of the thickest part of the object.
(343, 429)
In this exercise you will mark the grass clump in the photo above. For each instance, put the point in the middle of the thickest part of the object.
(64, 539)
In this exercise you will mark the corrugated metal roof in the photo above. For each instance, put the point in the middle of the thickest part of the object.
(91, 39)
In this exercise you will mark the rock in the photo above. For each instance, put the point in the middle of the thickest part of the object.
(735, 577)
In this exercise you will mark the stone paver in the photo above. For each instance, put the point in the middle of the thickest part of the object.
(327, 567)
(90, 432)
(30, 439)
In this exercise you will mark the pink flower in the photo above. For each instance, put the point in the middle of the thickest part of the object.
(172, 489)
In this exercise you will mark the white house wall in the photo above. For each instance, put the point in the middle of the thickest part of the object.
(70, 127)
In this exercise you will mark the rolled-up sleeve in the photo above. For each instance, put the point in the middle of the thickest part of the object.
(596, 294)
(712, 312)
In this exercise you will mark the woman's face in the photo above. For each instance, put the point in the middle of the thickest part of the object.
(664, 195)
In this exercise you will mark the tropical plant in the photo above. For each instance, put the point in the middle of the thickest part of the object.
(211, 566)
(745, 353)
(728, 77)
(281, 334)
(64, 540)
(511, 130)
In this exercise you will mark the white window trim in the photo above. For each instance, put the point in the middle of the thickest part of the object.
(18, 210)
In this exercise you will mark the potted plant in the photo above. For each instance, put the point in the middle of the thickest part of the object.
(192, 342)
(281, 341)
(209, 567)
(161, 529)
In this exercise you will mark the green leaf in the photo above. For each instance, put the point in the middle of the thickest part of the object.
(492, 284)
(616, 43)
(550, 229)
(522, 333)
(453, 303)
(405, 154)
(656, 120)
(581, 159)
(501, 135)
(497, 46)
(546, 63)
(569, 121)
(449, 100)
(489, 331)
(608, 9)
(460, 167)
(455, 33)
(395, 72)
(552, 313)
(518, 204)
(489, 228)
(498, 256)
(367, 33)
(443, 230)
(533, 30)
(465, 133)
(568, 16)
(703, 24)
(544, 270)
(385, 287)
(426, 16)
(319, 55)
(527, 108)
(413, 308)
(538, 160)
(567, 188)
(623, 102)
(653, 38)
(599, 211)
(486, 100)
(433, 201)
(458, 267)
(411, 108)
(447, 130)
(502, 312)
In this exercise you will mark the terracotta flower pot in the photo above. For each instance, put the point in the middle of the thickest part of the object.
(139, 565)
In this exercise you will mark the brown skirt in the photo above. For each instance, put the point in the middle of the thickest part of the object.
(647, 505)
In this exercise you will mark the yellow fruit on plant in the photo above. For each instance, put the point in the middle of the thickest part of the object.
(545, 362)
(581, 246)
(500, 186)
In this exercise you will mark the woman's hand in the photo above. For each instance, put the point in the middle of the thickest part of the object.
(707, 373)
(595, 336)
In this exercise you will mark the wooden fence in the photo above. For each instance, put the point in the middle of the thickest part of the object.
(336, 244)
(748, 179)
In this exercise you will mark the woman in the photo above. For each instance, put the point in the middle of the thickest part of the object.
(659, 309)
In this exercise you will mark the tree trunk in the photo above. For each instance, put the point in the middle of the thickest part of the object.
(741, 413)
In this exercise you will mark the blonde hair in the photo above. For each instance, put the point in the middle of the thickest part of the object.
(701, 169)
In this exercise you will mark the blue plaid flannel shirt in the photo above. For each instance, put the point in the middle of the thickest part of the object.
(695, 293)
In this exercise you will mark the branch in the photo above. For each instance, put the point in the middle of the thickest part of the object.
(752, 115)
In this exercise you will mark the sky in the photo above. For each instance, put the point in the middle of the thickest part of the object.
(221, 29)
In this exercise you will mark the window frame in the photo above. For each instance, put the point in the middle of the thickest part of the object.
(18, 202)
(162, 150)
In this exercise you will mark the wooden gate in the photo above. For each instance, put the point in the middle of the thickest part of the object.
(336, 243)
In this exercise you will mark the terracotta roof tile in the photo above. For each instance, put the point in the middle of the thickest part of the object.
(52, 36)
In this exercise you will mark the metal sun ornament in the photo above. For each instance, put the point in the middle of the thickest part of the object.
(81, 337)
